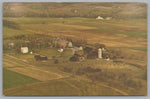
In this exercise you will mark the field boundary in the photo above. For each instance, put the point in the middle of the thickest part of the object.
(60, 76)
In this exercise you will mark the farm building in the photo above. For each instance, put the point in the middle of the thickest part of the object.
(77, 57)
(61, 43)
(60, 50)
(70, 44)
(87, 50)
(40, 58)
(92, 55)
(11, 45)
(99, 53)
(24, 50)
(108, 18)
(99, 18)
(76, 49)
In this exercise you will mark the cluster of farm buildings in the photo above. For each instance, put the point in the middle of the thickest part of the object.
(61, 45)
(101, 18)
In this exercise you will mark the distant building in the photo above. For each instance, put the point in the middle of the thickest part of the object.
(108, 18)
(99, 18)
(24, 50)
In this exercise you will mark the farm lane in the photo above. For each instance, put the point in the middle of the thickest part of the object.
(115, 89)
(43, 75)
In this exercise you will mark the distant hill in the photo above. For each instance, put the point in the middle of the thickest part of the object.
(89, 10)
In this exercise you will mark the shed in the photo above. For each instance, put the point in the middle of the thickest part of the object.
(108, 18)
(70, 44)
(99, 18)
(11, 45)
(60, 50)
(24, 50)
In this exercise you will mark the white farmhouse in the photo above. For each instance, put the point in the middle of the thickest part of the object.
(24, 50)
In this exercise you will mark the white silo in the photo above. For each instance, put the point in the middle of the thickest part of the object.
(99, 53)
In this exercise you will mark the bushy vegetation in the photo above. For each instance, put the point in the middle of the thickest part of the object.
(11, 24)
(32, 41)
(118, 80)
(89, 10)
(87, 70)
(122, 39)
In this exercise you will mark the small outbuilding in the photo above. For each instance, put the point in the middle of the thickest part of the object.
(99, 18)
(60, 50)
(24, 50)
(70, 44)
(108, 18)
(11, 45)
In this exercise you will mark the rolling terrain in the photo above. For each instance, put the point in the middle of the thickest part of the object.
(124, 35)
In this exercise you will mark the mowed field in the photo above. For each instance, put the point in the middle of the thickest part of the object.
(113, 33)
(47, 78)
(22, 78)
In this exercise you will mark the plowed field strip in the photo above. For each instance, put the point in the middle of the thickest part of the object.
(29, 70)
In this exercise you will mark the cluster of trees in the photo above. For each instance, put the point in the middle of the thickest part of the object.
(82, 71)
(89, 10)
(76, 41)
(36, 41)
(10, 24)
(87, 70)
(122, 78)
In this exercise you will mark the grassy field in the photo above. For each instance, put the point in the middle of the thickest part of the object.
(76, 9)
(62, 87)
(21, 86)
(128, 37)
(117, 33)
(13, 79)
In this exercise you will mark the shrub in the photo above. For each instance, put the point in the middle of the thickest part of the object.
(87, 70)
(87, 50)
(97, 45)
(91, 70)
(56, 61)
(73, 58)
(67, 69)
(80, 72)
(10, 24)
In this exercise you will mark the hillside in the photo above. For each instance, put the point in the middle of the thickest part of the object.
(39, 60)
(89, 10)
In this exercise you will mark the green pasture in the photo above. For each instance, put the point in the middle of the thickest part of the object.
(125, 77)
(62, 87)
(130, 27)
(12, 79)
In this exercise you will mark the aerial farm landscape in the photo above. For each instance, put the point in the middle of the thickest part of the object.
(74, 49)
